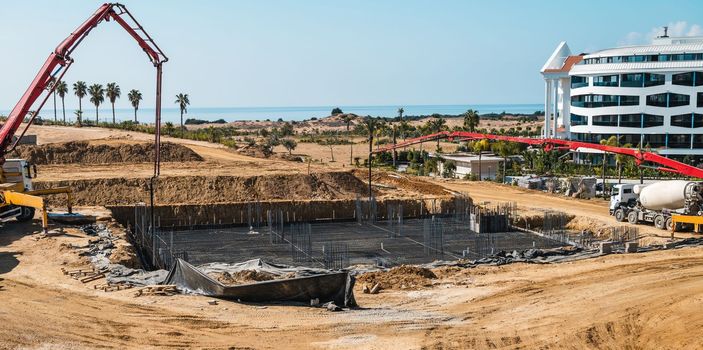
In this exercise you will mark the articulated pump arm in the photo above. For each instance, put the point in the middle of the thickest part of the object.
(60, 60)
(664, 164)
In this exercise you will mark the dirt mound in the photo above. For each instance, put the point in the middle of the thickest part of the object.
(599, 228)
(400, 277)
(242, 277)
(402, 182)
(256, 151)
(83, 152)
(210, 189)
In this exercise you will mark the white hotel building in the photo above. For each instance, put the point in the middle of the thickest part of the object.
(645, 95)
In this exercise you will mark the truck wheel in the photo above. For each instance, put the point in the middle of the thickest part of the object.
(659, 222)
(26, 214)
(632, 217)
(669, 224)
(619, 215)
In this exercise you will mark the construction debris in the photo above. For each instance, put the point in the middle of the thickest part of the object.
(112, 287)
(161, 290)
(85, 275)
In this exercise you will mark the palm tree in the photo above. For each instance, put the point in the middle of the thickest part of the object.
(611, 141)
(437, 124)
(381, 130)
(80, 89)
(347, 118)
(62, 90)
(471, 120)
(79, 116)
(182, 101)
(479, 147)
(113, 92)
(504, 149)
(134, 97)
(400, 113)
(97, 97)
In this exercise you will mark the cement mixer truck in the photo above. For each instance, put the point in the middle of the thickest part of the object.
(658, 203)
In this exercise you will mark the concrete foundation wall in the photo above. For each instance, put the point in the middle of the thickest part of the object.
(242, 213)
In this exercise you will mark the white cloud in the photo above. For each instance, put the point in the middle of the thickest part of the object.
(680, 28)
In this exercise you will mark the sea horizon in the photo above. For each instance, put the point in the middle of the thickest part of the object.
(231, 114)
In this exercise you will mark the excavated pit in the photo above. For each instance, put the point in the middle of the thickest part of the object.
(318, 233)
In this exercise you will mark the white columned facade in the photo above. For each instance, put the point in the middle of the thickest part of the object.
(555, 107)
(547, 106)
(557, 82)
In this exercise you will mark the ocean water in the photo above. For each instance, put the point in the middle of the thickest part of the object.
(286, 113)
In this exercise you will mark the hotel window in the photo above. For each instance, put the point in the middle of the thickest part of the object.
(631, 80)
(596, 138)
(651, 79)
(605, 80)
(631, 120)
(632, 139)
(679, 141)
(698, 141)
(699, 103)
(655, 141)
(605, 120)
(577, 120)
(658, 100)
(676, 100)
(697, 120)
(685, 79)
(646, 58)
(593, 101)
(578, 101)
(629, 100)
(582, 137)
(651, 120)
(577, 82)
(698, 78)
(682, 120)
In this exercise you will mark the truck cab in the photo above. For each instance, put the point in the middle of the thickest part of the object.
(623, 195)
(18, 171)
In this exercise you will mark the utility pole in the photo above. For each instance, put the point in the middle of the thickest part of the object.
(370, 155)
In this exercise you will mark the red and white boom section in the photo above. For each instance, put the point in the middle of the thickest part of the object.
(662, 163)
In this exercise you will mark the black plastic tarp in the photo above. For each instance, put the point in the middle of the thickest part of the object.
(336, 287)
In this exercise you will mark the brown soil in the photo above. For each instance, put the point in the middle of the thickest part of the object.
(83, 152)
(242, 277)
(408, 184)
(400, 277)
(211, 189)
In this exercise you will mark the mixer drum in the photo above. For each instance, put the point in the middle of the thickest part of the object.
(666, 194)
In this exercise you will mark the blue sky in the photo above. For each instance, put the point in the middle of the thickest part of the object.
(315, 52)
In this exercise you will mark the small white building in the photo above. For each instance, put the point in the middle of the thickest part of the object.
(468, 164)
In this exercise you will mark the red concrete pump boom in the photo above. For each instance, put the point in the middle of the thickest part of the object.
(60, 60)
(663, 163)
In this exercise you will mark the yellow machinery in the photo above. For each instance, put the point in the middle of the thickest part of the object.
(20, 199)
(678, 220)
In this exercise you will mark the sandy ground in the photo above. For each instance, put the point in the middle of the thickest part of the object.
(647, 300)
